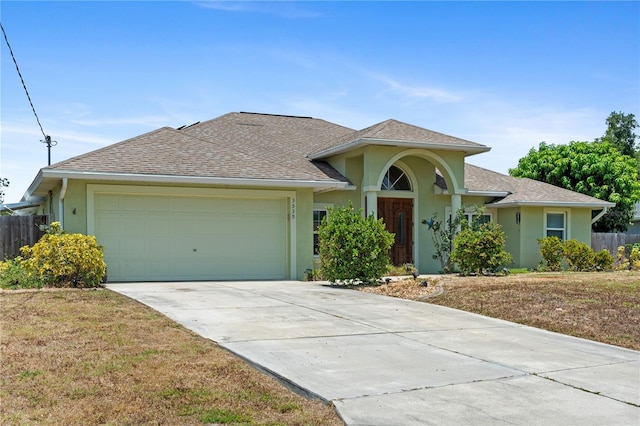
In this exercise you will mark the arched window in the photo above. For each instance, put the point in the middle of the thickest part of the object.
(395, 180)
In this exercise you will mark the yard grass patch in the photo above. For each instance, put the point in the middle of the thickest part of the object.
(96, 357)
(604, 307)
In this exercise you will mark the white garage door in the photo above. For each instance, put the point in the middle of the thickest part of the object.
(160, 238)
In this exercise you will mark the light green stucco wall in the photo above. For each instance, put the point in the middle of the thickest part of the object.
(533, 228)
(364, 168)
(304, 231)
(75, 198)
(521, 238)
(506, 218)
(578, 226)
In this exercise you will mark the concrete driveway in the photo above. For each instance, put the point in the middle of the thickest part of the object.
(385, 361)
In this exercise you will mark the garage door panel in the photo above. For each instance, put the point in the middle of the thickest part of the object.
(109, 221)
(158, 248)
(159, 268)
(129, 271)
(192, 238)
(130, 203)
(156, 204)
(159, 224)
(131, 248)
(131, 223)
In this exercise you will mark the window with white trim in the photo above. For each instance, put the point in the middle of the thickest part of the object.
(469, 216)
(395, 180)
(556, 223)
(318, 215)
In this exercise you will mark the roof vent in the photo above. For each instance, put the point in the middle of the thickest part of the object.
(186, 126)
(276, 115)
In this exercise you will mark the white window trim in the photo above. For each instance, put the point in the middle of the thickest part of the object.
(567, 222)
(469, 213)
(318, 207)
(405, 173)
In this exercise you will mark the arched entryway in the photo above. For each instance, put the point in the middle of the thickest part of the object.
(395, 206)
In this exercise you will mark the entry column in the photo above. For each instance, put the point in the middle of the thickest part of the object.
(372, 204)
(456, 203)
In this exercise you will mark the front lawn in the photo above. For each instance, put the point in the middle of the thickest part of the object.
(599, 306)
(85, 357)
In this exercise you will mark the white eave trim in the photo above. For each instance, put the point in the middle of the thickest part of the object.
(604, 204)
(27, 197)
(467, 149)
(487, 193)
(204, 180)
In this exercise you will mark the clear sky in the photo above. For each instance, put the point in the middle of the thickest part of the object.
(505, 74)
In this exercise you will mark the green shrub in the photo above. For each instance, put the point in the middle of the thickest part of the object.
(622, 262)
(13, 275)
(480, 249)
(603, 260)
(443, 234)
(353, 248)
(61, 260)
(552, 251)
(397, 271)
(634, 258)
(579, 255)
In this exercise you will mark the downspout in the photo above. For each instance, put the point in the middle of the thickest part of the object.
(63, 192)
(599, 215)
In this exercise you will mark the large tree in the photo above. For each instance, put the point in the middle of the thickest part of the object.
(620, 132)
(596, 168)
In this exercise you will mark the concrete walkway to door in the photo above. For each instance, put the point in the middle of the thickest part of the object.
(385, 361)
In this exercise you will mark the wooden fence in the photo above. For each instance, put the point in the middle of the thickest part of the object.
(612, 241)
(18, 231)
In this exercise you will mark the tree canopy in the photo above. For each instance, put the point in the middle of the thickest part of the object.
(594, 168)
(620, 132)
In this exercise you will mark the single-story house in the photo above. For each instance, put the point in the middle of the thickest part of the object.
(241, 196)
(635, 222)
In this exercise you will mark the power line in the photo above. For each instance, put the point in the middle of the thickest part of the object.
(47, 139)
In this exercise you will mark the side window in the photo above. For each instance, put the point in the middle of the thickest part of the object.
(484, 218)
(556, 225)
(318, 215)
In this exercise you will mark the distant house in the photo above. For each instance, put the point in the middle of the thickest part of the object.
(241, 196)
(635, 225)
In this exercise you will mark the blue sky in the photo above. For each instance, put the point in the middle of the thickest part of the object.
(505, 74)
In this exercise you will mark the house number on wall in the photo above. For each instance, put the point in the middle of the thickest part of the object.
(293, 208)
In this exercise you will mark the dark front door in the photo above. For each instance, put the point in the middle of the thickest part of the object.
(398, 217)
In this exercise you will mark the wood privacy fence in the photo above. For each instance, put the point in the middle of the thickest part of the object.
(18, 231)
(612, 241)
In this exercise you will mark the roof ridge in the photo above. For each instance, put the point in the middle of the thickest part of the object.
(108, 147)
(276, 115)
(223, 143)
(380, 126)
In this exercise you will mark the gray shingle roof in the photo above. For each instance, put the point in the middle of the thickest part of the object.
(277, 147)
(394, 131)
(522, 191)
(236, 145)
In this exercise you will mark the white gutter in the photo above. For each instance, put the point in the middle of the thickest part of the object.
(63, 192)
(36, 182)
(603, 205)
(468, 149)
(599, 215)
(200, 180)
(487, 193)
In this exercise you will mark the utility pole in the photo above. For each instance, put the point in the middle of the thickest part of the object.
(47, 140)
